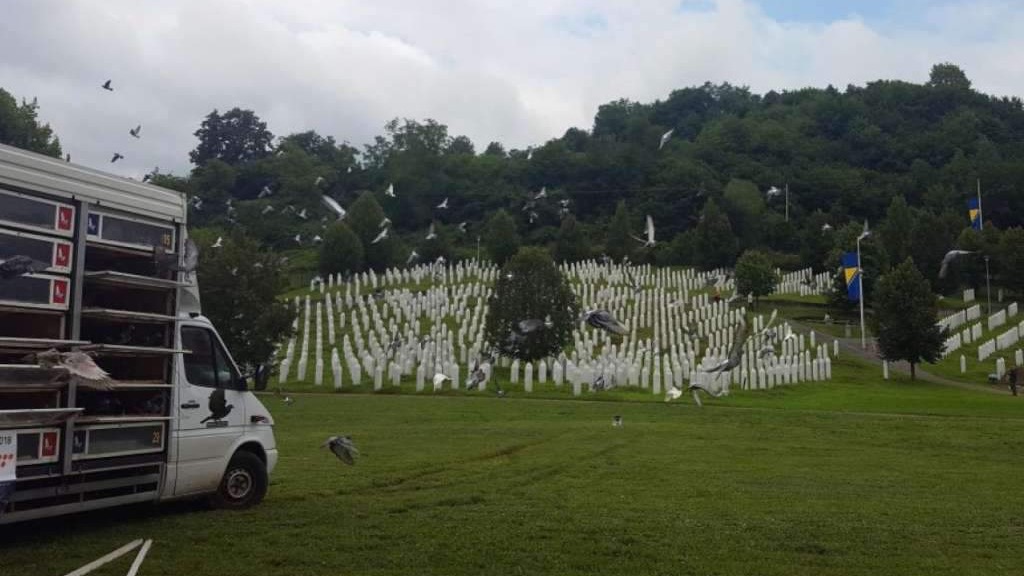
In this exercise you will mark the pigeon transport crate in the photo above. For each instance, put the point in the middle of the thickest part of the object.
(99, 292)
(114, 388)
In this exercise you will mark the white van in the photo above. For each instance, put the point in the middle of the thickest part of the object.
(180, 419)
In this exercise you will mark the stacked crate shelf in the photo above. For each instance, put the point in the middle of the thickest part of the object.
(117, 309)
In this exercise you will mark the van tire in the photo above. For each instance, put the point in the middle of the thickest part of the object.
(244, 483)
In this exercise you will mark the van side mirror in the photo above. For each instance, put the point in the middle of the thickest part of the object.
(261, 377)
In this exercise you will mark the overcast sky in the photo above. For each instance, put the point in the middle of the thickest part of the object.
(516, 71)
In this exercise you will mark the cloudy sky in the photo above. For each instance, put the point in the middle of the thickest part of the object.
(520, 71)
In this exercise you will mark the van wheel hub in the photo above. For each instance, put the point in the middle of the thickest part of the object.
(239, 483)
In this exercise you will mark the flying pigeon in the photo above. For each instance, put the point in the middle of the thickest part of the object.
(604, 320)
(136, 131)
(529, 154)
(319, 180)
(267, 210)
(302, 214)
(298, 238)
(598, 384)
(264, 192)
(773, 192)
(439, 380)
(79, 366)
(664, 138)
(533, 217)
(106, 86)
(197, 203)
(317, 239)
(117, 156)
(534, 324)
(219, 243)
(649, 232)
(476, 377)
(390, 192)
(542, 194)
(948, 259)
(735, 353)
(19, 265)
(348, 170)
(443, 205)
(333, 205)
(826, 227)
(383, 234)
(462, 227)
(218, 406)
(430, 233)
(169, 262)
(343, 448)
(564, 203)
(67, 157)
(412, 257)
(385, 222)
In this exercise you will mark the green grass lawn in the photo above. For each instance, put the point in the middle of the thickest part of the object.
(857, 476)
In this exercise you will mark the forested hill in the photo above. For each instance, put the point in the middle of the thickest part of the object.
(844, 154)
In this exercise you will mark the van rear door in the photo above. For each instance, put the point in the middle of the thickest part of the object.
(211, 410)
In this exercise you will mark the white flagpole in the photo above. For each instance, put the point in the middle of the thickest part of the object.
(981, 220)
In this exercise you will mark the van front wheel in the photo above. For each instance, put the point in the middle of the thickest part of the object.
(244, 483)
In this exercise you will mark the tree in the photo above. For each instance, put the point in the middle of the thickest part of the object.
(948, 75)
(897, 229)
(571, 245)
(745, 206)
(620, 243)
(240, 298)
(20, 127)
(905, 317)
(235, 137)
(715, 244)
(530, 286)
(364, 217)
(342, 251)
(1011, 259)
(502, 240)
(755, 274)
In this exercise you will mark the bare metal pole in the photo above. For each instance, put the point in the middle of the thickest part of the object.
(988, 286)
(860, 288)
(787, 201)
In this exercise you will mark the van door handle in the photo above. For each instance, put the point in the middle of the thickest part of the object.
(191, 404)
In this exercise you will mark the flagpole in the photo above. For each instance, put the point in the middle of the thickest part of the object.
(981, 221)
(787, 201)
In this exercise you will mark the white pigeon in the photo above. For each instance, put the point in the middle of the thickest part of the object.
(948, 259)
(317, 239)
(385, 222)
(664, 138)
(439, 380)
(773, 192)
(303, 214)
(649, 232)
(542, 194)
(219, 243)
(266, 191)
(431, 234)
(390, 192)
(443, 205)
(412, 256)
(267, 210)
(333, 205)
(383, 234)
(298, 238)
(529, 154)
(826, 227)
(319, 180)
(349, 170)
(462, 227)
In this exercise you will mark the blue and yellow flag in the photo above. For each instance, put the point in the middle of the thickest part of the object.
(974, 212)
(851, 273)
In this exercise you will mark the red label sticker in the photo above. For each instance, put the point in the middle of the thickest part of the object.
(49, 445)
(64, 215)
(60, 291)
(63, 255)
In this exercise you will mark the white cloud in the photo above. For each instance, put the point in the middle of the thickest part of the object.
(518, 72)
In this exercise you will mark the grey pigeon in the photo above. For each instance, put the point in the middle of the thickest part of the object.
(736, 352)
(604, 320)
(136, 131)
(117, 156)
(533, 324)
(218, 406)
(79, 367)
(19, 265)
(106, 86)
(343, 448)
(264, 192)
(948, 259)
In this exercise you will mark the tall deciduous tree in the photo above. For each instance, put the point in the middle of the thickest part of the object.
(619, 243)
(235, 137)
(715, 243)
(530, 286)
(905, 317)
(501, 238)
(20, 126)
(1011, 259)
(755, 274)
(241, 298)
(342, 251)
(571, 244)
(365, 217)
